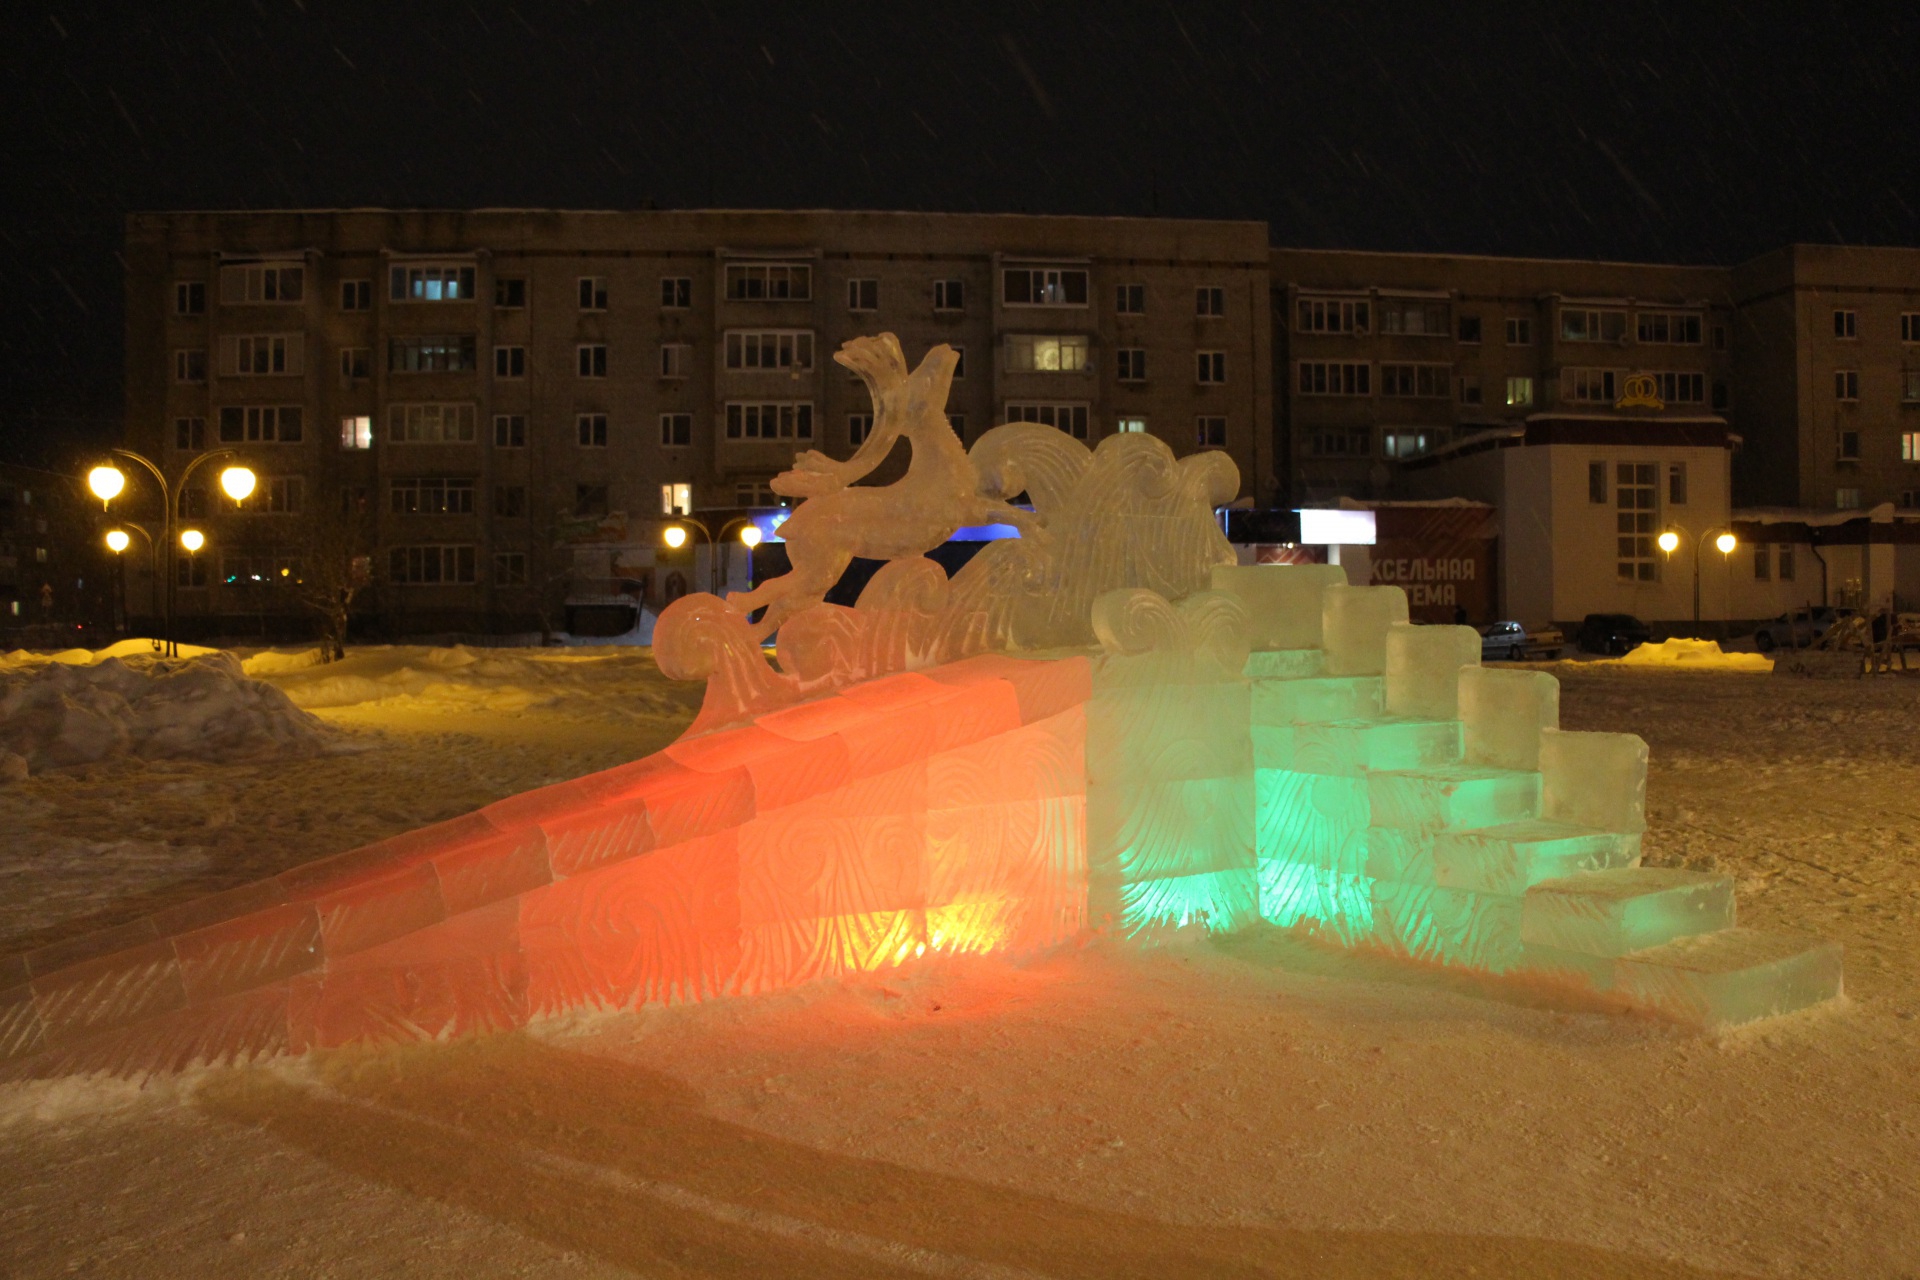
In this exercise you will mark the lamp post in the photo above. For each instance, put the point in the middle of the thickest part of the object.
(118, 541)
(1723, 541)
(108, 482)
(675, 536)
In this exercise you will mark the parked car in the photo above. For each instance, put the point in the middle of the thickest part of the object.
(1613, 633)
(1512, 642)
(1798, 629)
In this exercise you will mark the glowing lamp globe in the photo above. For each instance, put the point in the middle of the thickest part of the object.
(238, 482)
(106, 482)
(192, 539)
(1668, 541)
(676, 536)
(1725, 542)
(751, 536)
(117, 540)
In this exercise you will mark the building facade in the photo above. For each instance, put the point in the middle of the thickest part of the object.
(502, 397)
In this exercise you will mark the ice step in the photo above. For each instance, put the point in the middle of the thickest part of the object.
(1452, 797)
(1349, 748)
(1285, 664)
(1732, 976)
(1514, 855)
(1318, 699)
(1611, 913)
(1718, 979)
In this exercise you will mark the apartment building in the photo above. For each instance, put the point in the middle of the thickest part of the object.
(505, 395)
(1384, 357)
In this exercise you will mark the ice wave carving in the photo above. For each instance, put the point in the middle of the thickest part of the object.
(1127, 514)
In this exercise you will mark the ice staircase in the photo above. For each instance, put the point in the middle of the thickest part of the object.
(1282, 748)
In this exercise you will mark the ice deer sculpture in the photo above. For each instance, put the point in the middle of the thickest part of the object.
(912, 516)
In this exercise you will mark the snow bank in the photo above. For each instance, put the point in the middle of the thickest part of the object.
(1696, 655)
(455, 678)
(60, 712)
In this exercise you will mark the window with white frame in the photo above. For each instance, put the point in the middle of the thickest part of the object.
(356, 431)
(1676, 484)
(1599, 492)
(1636, 514)
(1425, 381)
(509, 362)
(1910, 386)
(1847, 499)
(769, 281)
(1333, 315)
(1404, 443)
(863, 295)
(1910, 326)
(591, 430)
(1046, 352)
(1130, 426)
(1592, 324)
(189, 434)
(1130, 299)
(770, 420)
(430, 282)
(431, 496)
(263, 282)
(1519, 331)
(262, 424)
(438, 564)
(676, 499)
(1414, 317)
(356, 295)
(1470, 392)
(1590, 386)
(1341, 442)
(1783, 561)
(1680, 328)
(1762, 562)
(1210, 302)
(1848, 446)
(1130, 364)
(430, 423)
(755, 493)
(509, 431)
(1846, 324)
(1071, 418)
(859, 427)
(676, 359)
(949, 295)
(1334, 378)
(1680, 387)
(770, 349)
(590, 359)
(356, 365)
(190, 364)
(592, 293)
(510, 293)
(279, 495)
(676, 293)
(1910, 446)
(1846, 384)
(251, 354)
(431, 353)
(1210, 431)
(1209, 367)
(189, 297)
(1043, 287)
(676, 429)
(509, 568)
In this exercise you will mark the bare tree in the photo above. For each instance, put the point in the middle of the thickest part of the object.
(335, 571)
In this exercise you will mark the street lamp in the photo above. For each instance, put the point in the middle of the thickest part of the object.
(1723, 541)
(676, 535)
(192, 540)
(108, 482)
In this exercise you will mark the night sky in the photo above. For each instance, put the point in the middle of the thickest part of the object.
(1689, 133)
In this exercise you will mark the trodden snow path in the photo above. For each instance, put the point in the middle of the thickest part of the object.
(1198, 1110)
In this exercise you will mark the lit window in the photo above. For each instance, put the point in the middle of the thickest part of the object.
(450, 283)
(1046, 353)
(676, 499)
(356, 432)
(1131, 426)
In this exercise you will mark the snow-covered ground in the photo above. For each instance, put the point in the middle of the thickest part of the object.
(1246, 1107)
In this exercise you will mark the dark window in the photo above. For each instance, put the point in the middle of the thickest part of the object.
(509, 431)
(1597, 482)
(190, 433)
(1469, 328)
(510, 293)
(593, 360)
(863, 295)
(949, 295)
(190, 298)
(510, 500)
(676, 428)
(1130, 299)
(590, 499)
(676, 292)
(593, 293)
(1130, 364)
(1210, 301)
(509, 362)
(1850, 446)
(1210, 432)
(593, 430)
(356, 295)
(1846, 324)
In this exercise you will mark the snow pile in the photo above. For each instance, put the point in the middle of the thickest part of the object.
(458, 679)
(61, 712)
(1695, 655)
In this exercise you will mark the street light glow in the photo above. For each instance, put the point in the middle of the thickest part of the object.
(751, 536)
(1725, 542)
(1668, 541)
(106, 481)
(676, 536)
(117, 540)
(238, 482)
(192, 539)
